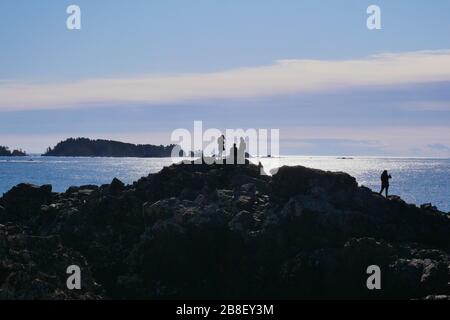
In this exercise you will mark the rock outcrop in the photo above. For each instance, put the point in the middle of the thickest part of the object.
(5, 152)
(221, 231)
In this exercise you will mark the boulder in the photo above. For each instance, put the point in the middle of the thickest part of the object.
(72, 189)
(292, 181)
(24, 200)
(116, 186)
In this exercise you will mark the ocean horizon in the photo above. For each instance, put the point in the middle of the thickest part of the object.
(416, 180)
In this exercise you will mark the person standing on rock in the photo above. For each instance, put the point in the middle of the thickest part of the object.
(221, 143)
(241, 151)
(233, 155)
(385, 176)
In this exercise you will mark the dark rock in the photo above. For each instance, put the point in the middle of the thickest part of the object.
(24, 200)
(85, 192)
(34, 267)
(291, 181)
(429, 206)
(244, 202)
(72, 189)
(417, 275)
(162, 209)
(89, 187)
(116, 186)
(225, 232)
(243, 221)
(85, 189)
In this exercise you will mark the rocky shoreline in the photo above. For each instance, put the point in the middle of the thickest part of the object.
(221, 231)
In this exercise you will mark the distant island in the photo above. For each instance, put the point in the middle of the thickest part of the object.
(5, 152)
(84, 147)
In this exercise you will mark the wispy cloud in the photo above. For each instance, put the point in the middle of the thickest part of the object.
(283, 77)
(426, 105)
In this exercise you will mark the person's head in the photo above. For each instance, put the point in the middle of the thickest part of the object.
(385, 172)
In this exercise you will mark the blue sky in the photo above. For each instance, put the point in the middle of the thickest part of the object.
(212, 54)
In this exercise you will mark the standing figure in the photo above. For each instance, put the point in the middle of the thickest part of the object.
(385, 176)
(241, 153)
(233, 155)
(221, 143)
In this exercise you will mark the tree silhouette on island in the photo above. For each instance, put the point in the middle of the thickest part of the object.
(5, 152)
(85, 147)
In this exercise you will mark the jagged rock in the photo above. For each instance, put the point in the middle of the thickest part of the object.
(291, 181)
(72, 189)
(116, 186)
(419, 276)
(428, 206)
(24, 200)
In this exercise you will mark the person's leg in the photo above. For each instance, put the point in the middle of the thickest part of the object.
(387, 191)
(381, 191)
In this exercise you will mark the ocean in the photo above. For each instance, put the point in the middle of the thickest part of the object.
(416, 180)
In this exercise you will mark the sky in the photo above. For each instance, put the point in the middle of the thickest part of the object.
(139, 69)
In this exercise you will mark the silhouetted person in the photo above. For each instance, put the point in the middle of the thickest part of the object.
(260, 167)
(385, 176)
(241, 153)
(233, 154)
(221, 143)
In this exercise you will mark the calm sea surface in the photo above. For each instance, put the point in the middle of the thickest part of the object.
(416, 180)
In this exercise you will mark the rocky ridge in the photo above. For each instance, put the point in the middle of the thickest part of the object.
(221, 231)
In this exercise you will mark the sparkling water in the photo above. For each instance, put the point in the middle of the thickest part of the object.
(416, 180)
